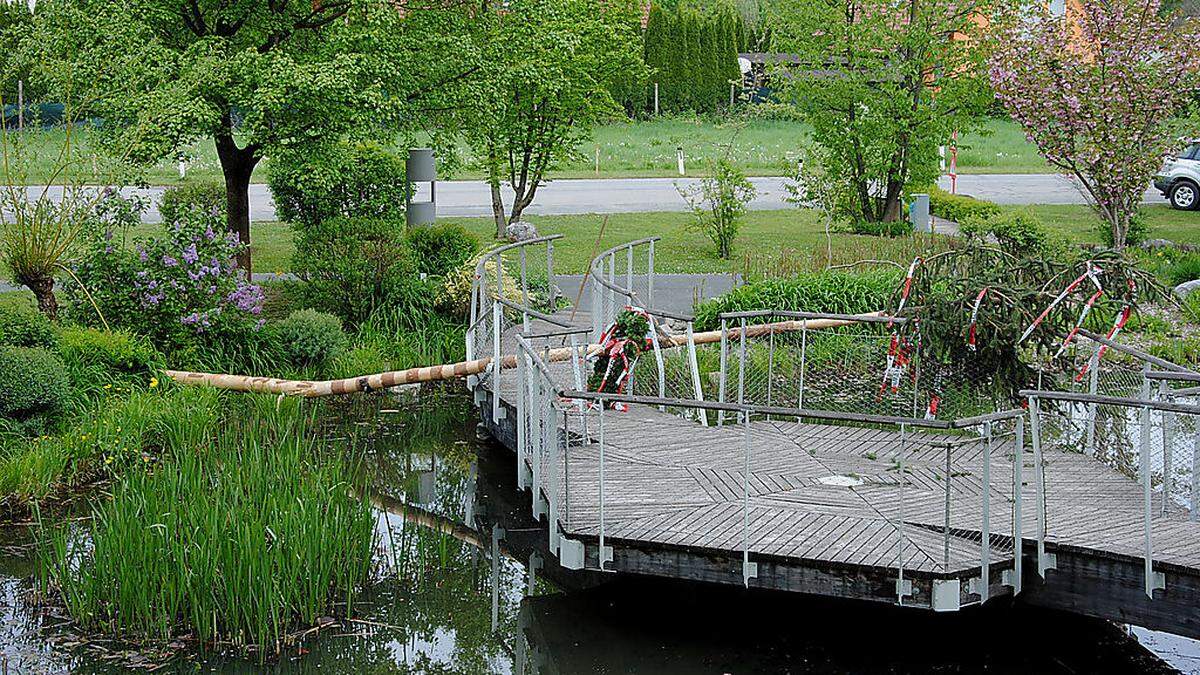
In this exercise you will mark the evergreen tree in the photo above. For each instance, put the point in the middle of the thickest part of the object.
(657, 49)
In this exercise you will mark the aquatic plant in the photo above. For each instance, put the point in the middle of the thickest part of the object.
(241, 536)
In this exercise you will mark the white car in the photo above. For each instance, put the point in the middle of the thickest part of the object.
(1179, 178)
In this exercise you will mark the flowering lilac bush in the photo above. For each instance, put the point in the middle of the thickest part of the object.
(180, 289)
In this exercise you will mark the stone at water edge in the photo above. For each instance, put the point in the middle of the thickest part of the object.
(520, 231)
(1185, 289)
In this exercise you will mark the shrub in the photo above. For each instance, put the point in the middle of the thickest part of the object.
(351, 266)
(441, 249)
(179, 289)
(718, 202)
(959, 207)
(205, 196)
(97, 359)
(23, 326)
(33, 384)
(831, 292)
(353, 181)
(1184, 268)
(1013, 231)
(1137, 233)
(311, 338)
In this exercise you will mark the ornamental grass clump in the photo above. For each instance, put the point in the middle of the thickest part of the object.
(239, 538)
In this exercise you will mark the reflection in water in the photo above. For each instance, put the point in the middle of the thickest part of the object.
(441, 605)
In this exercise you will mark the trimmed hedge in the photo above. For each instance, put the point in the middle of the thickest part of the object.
(311, 338)
(33, 383)
(24, 326)
(831, 292)
(693, 57)
(959, 207)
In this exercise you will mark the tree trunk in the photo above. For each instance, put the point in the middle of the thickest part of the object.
(43, 289)
(497, 197)
(237, 164)
(891, 201)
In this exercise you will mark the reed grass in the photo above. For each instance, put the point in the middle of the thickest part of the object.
(246, 532)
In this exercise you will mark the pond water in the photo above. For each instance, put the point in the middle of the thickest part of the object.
(441, 605)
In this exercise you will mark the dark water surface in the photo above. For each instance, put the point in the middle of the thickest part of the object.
(441, 605)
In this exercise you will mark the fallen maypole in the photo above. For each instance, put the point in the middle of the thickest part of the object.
(395, 378)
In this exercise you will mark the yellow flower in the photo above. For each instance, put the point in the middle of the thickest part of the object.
(153, 382)
(108, 460)
(108, 386)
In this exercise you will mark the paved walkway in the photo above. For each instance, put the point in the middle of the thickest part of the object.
(633, 195)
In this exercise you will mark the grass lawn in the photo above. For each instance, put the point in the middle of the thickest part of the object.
(793, 239)
(643, 148)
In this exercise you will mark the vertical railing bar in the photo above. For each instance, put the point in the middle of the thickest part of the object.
(985, 553)
(742, 361)
(597, 303)
(566, 468)
(770, 362)
(692, 363)
(1039, 487)
(650, 276)
(746, 497)
(1018, 488)
(497, 320)
(522, 408)
(724, 364)
(1144, 458)
(803, 363)
(900, 592)
(603, 405)
(658, 361)
(612, 283)
(946, 514)
(1195, 516)
(524, 279)
(629, 273)
(552, 288)
(1093, 385)
(1168, 439)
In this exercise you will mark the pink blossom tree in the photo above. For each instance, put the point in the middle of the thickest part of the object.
(1097, 91)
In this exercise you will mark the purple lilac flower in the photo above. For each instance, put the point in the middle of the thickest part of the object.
(209, 234)
(108, 235)
(169, 261)
(190, 255)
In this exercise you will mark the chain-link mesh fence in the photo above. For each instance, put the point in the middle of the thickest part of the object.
(622, 276)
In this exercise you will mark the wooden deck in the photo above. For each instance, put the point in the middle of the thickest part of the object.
(833, 497)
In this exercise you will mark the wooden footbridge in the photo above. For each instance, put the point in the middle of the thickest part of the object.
(786, 451)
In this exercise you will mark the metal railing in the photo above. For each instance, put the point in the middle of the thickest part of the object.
(624, 275)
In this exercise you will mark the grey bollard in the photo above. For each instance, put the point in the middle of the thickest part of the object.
(421, 167)
(918, 214)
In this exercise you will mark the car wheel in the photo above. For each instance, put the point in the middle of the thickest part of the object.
(1185, 195)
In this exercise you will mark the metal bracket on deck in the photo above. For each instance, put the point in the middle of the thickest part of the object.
(1009, 578)
(472, 381)
(480, 395)
(540, 506)
(604, 555)
(947, 595)
(1048, 561)
(904, 589)
(524, 476)
(749, 571)
(535, 564)
(501, 413)
(570, 553)
(1158, 582)
(975, 586)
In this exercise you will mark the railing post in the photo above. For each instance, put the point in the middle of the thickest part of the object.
(770, 360)
(605, 553)
(903, 586)
(803, 355)
(658, 362)
(1144, 460)
(1168, 440)
(1093, 382)
(691, 341)
(749, 569)
(497, 320)
(538, 434)
(1195, 501)
(1039, 486)
(724, 365)
(946, 513)
(552, 479)
(1018, 488)
(629, 274)
(985, 535)
(612, 282)
(522, 412)
(566, 470)
(551, 288)
(524, 279)
(742, 361)
(597, 302)
(650, 276)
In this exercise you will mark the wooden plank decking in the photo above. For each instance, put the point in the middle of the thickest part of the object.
(671, 482)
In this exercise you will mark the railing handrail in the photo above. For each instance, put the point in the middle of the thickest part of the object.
(858, 318)
(479, 266)
(1076, 397)
(1172, 376)
(548, 318)
(1133, 351)
(596, 273)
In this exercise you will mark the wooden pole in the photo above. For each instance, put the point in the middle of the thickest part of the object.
(350, 385)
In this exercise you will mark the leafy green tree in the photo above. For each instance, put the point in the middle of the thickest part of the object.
(551, 65)
(883, 83)
(254, 76)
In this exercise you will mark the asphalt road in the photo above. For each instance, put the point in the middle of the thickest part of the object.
(627, 195)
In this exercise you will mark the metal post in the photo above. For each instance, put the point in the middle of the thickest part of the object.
(742, 361)
(612, 282)
(522, 412)
(1196, 473)
(1168, 439)
(566, 471)
(1039, 485)
(20, 105)
(552, 289)
(903, 587)
(497, 316)
(629, 274)
(803, 355)
(603, 548)
(770, 362)
(749, 570)
(1144, 460)
(537, 434)
(985, 535)
(724, 365)
(695, 367)
(658, 362)
(1093, 381)
(1018, 488)
(946, 513)
(650, 276)
(597, 301)
(656, 99)
(524, 278)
